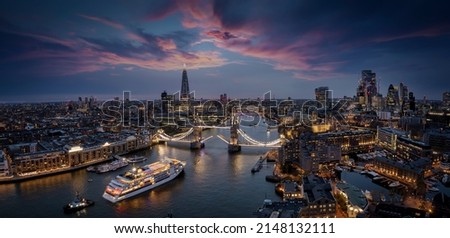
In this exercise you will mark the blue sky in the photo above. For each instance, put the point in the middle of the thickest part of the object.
(59, 50)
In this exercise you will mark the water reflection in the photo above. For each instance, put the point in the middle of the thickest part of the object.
(237, 163)
(37, 185)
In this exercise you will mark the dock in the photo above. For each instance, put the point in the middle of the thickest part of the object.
(257, 167)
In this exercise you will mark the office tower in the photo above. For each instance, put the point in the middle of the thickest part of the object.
(403, 91)
(223, 98)
(323, 96)
(392, 98)
(403, 97)
(367, 88)
(412, 101)
(126, 96)
(184, 95)
(446, 99)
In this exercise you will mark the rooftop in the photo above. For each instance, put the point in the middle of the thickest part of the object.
(316, 188)
(392, 130)
(285, 209)
(415, 166)
(413, 142)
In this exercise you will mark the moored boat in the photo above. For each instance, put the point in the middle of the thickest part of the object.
(377, 178)
(368, 195)
(114, 165)
(136, 159)
(91, 168)
(433, 189)
(394, 184)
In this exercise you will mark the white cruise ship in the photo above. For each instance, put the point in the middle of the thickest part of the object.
(141, 179)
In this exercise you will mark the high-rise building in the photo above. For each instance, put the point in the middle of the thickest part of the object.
(392, 98)
(387, 138)
(323, 96)
(403, 93)
(412, 101)
(126, 96)
(403, 97)
(223, 98)
(446, 99)
(184, 86)
(367, 88)
(166, 102)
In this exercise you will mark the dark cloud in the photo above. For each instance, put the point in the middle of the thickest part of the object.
(183, 39)
(308, 40)
(160, 9)
(71, 54)
(221, 35)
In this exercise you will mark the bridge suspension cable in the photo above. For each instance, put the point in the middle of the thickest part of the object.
(178, 137)
(255, 142)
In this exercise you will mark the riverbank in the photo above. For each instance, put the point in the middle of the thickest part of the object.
(34, 175)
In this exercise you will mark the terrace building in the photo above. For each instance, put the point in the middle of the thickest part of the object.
(319, 196)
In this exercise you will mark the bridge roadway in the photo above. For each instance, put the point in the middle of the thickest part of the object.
(162, 136)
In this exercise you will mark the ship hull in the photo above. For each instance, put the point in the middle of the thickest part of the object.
(115, 199)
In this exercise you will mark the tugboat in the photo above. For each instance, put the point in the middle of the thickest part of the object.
(78, 203)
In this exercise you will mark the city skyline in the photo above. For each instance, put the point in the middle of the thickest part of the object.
(53, 51)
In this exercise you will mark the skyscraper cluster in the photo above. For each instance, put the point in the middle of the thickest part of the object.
(398, 98)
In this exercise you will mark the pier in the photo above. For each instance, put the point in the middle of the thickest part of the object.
(257, 167)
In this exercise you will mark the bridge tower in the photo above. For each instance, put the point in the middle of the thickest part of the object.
(196, 142)
(234, 146)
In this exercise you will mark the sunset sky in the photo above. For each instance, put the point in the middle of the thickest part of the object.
(59, 50)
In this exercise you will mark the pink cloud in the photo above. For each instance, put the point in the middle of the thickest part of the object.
(173, 61)
(220, 35)
(136, 37)
(252, 39)
(69, 63)
(87, 57)
(162, 13)
(129, 34)
(430, 32)
(43, 38)
(166, 44)
(316, 75)
(197, 14)
(103, 21)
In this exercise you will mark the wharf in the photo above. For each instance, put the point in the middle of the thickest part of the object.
(257, 167)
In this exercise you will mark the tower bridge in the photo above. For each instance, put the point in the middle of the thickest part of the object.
(238, 137)
(193, 136)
